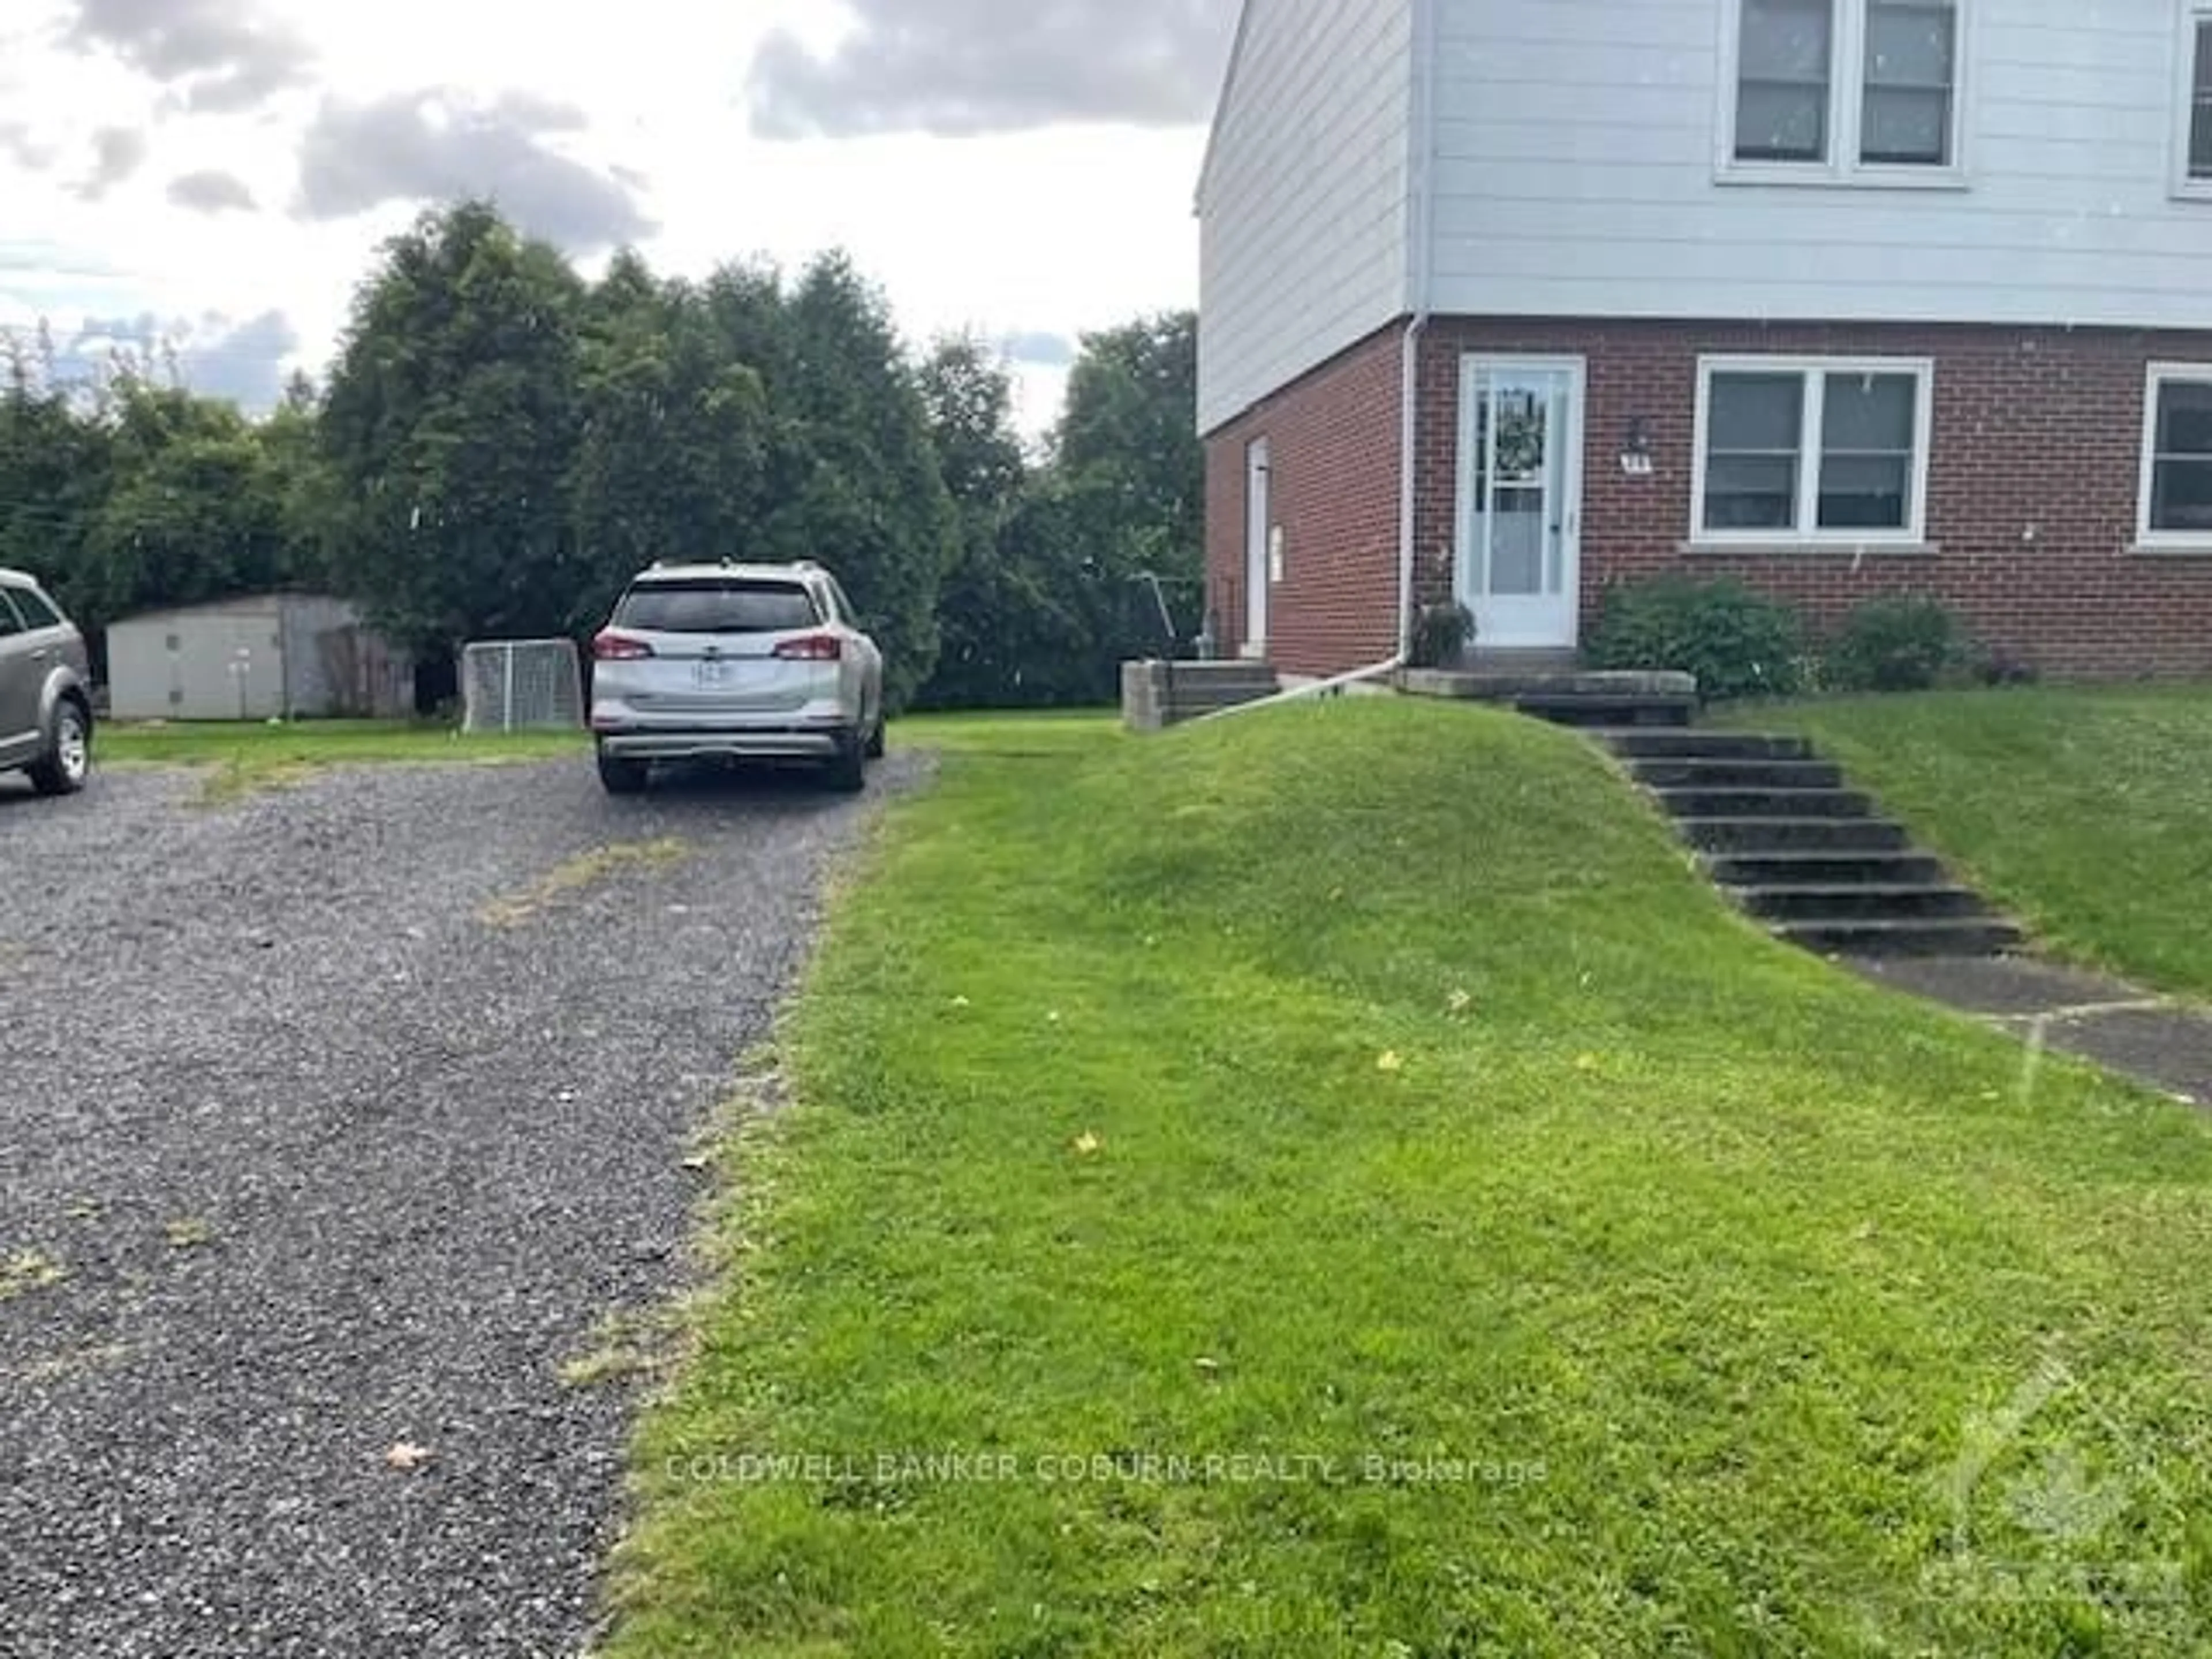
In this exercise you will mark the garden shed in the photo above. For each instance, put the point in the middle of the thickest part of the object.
(270, 656)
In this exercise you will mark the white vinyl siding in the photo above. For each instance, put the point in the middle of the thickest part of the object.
(1304, 224)
(2176, 507)
(1578, 142)
(1817, 451)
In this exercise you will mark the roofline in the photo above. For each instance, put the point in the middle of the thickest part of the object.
(1221, 104)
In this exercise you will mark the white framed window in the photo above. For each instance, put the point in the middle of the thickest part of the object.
(2175, 506)
(1812, 451)
(1844, 91)
(2192, 143)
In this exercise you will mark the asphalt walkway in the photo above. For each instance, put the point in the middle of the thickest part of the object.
(2163, 1041)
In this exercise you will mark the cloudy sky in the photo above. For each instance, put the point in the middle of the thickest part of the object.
(220, 172)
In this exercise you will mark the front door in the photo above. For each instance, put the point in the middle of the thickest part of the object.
(1520, 492)
(1258, 562)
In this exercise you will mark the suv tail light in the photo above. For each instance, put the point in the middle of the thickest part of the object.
(611, 647)
(814, 647)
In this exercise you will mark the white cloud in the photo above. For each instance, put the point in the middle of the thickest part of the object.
(641, 109)
(960, 67)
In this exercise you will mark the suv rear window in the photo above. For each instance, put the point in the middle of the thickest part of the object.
(708, 607)
(37, 613)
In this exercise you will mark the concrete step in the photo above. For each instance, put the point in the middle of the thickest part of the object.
(1191, 676)
(1862, 901)
(1218, 696)
(1630, 744)
(1522, 659)
(1816, 867)
(1751, 834)
(1606, 712)
(1763, 803)
(1728, 772)
(1975, 936)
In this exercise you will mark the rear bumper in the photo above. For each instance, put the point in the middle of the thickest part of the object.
(799, 741)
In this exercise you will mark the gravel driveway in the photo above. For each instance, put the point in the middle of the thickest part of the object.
(336, 1120)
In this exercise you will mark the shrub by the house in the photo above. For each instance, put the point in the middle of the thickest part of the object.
(1738, 643)
(1899, 643)
(1441, 636)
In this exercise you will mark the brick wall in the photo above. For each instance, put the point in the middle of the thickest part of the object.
(2032, 489)
(2032, 483)
(1333, 460)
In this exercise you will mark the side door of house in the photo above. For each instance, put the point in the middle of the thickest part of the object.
(1258, 544)
(1519, 555)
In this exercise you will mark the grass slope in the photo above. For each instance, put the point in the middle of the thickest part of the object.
(1373, 1084)
(2087, 813)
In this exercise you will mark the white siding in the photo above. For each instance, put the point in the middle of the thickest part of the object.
(1304, 227)
(1578, 145)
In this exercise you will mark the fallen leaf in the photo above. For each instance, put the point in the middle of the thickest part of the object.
(1088, 1145)
(1391, 1062)
(1586, 1062)
(406, 1457)
(960, 1002)
(1460, 1002)
(1209, 1367)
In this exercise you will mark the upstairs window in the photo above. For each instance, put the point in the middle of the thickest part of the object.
(2195, 142)
(1838, 89)
(1912, 82)
(1784, 80)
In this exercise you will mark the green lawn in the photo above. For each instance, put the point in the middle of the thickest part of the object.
(2087, 813)
(1371, 1088)
(244, 758)
(243, 755)
(240, 756)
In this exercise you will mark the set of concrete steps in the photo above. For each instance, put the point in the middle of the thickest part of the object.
(1774, 824)
(1525, 683)
(1157, 695)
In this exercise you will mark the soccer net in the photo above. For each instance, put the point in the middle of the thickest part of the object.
(522, 686)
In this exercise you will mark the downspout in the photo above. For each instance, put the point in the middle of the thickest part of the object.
(1421, 220)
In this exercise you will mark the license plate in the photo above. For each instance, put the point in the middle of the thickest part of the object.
(716, 674)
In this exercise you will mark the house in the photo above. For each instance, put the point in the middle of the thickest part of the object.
(1511, 299)
(264, 657)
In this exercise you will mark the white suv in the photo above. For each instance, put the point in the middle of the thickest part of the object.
(735, 662)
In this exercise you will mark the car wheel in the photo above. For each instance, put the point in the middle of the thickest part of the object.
(66, 762)
(624, 777)
(877, 739)
(848, 772)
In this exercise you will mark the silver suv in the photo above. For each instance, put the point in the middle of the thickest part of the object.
(735, 662)
(46, 689)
